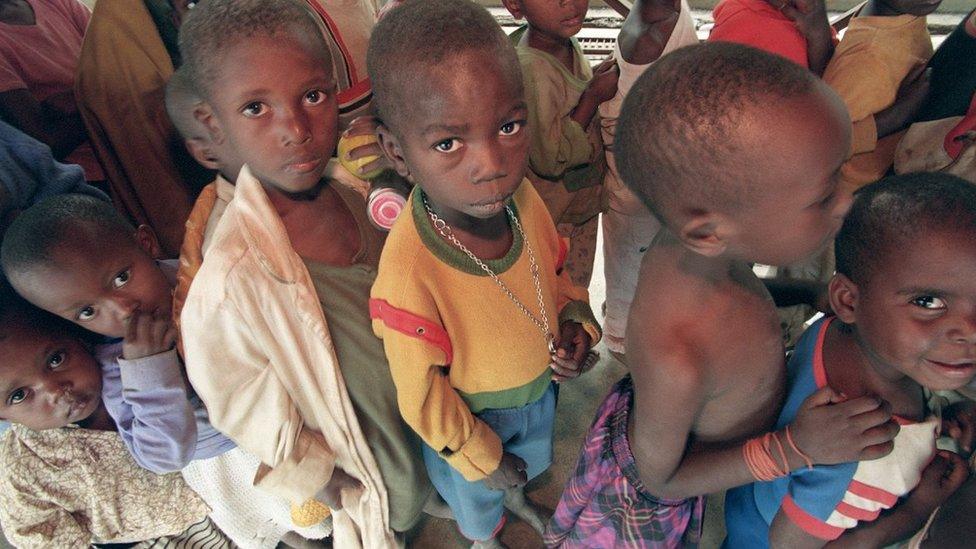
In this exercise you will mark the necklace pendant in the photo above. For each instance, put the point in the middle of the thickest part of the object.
(551, 343)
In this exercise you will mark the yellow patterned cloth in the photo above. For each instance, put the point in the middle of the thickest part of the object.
(73, 487)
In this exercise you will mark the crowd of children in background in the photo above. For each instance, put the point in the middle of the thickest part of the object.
(210, 336)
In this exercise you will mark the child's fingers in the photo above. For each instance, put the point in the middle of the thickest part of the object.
(132, 326)
(362, 125)
(563, 367)
(363, 151)
(958, 472)
(865, 405)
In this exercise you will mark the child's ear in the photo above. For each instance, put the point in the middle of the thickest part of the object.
(202, 152)
(391, 148)
(147, 240)
(704, 233)
(843, 294)
(514, 7)
(204, 114)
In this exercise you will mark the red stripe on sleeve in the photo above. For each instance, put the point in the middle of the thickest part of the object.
(857, 513)
(412, 325)
(872, 493)
(808, 523)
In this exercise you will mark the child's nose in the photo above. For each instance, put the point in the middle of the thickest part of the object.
(488, 164)
(124, 306)
(296, 127)
(965, 329)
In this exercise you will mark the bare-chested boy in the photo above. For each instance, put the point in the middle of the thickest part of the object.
(737, 152)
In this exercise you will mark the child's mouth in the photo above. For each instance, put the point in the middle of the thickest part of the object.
(962, 370)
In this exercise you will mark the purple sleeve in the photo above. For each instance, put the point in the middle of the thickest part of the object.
(148, 400)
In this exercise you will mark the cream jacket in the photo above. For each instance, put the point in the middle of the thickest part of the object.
(258, 353)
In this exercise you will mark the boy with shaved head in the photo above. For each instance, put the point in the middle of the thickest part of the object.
(717, 141)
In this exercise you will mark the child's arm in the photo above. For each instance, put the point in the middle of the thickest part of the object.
(579, 330)
(153, 413)
(672, 387)
(810, 17)
(559, 140)
(420, 353)
(941, 478)
(248, 401)
(646, 30)
(878, 106)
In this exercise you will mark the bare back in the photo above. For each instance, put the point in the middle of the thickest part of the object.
(706, 356)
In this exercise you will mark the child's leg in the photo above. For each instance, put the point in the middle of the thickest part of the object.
(626, 237)
(953, 525)
(582, 250)
(479, 512)
(953, 74)
(526, 432)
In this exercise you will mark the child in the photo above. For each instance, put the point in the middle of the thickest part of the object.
(39, 46)
(470, 301)
(709, 139)
(904, 296)
(276, 322)
(566, 159)
(77, 257)
(652, 29)
(795, 29)
(876, 70)
(66, 479)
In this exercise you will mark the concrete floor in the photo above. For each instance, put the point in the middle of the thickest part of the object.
(578, 401)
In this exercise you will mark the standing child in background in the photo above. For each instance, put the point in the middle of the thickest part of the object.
(76, 257)
(905, 299)
(710, 139)
(795, 29)
(66, 478)
(566, 158)
(475, 311)
(40, 42)
(652, 29)
(276, 323)
(878, 71)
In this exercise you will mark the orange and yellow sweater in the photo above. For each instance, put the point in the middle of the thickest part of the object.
(456, 343)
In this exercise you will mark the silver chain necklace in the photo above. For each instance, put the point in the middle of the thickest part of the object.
(445, 230)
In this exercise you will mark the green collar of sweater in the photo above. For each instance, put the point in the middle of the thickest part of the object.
(448, 253)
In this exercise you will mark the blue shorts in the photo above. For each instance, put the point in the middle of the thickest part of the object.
(526, 432)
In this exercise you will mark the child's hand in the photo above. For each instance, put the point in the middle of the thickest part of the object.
(831, 429)
(959, 422)
(147, 335)
(573, 355)
(603, 86)
(331, 493)
(943, 476)
(912, 94)
(366, 125)
(510, 473)
(810, 16)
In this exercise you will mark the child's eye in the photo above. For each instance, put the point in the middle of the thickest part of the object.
(17, 396)
(929, 302)
(121, 278)
(314, 97)
(86, 313)
(511, 128)
(253, 109)
(447, 145)
(56, 360)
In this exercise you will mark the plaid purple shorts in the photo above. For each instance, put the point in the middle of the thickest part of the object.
(605, 504)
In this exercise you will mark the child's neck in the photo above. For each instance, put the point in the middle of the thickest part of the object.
(320, 228)
(489, 238)
(560, 48)
(99, 420)
(876, 8)
(17, 12)
(851, 370)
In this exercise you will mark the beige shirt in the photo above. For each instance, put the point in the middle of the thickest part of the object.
(259, 354)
